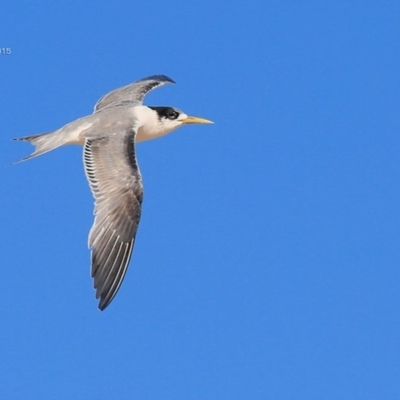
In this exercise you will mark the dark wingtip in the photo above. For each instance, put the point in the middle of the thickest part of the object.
(160, 78)
(167, 79)
(104, 303)
(104, 300)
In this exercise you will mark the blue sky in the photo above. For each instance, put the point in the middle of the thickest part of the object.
(267, 259)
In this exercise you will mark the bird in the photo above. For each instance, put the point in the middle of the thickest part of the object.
(108, 136)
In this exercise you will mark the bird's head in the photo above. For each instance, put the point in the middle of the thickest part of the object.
(159, 121)
(170, 118)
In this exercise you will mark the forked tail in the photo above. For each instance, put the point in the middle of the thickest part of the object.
(43, 143)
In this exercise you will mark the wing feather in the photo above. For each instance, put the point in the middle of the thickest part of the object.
(116, 184)
(132, 94)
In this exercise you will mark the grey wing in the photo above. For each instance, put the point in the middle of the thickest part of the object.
(116, 184)
(131, 94)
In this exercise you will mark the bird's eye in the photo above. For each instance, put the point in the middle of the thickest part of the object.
(172, 114)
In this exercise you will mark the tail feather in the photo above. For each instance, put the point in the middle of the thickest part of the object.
(43, 143)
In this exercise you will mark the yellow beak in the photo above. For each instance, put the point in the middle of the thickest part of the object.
(196, 120)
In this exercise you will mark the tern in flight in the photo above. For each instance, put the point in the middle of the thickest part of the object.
(108, 137)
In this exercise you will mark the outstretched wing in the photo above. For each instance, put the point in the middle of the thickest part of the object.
(131, 94)
(115, 181)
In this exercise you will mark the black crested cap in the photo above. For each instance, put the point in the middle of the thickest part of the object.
(166, 112)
